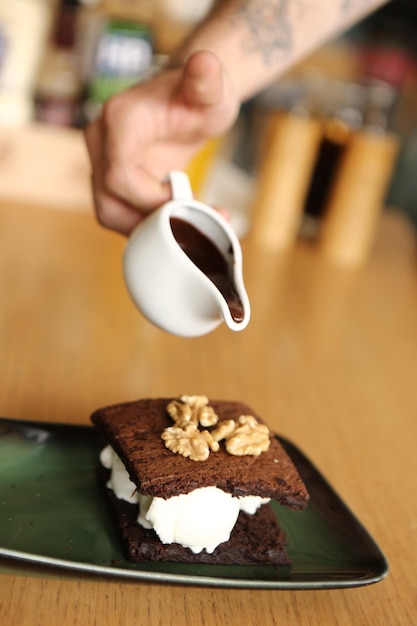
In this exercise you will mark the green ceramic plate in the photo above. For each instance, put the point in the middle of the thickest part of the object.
(51, 513)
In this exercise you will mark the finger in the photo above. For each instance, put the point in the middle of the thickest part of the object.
(112, 211)
(94, 143)
(113, 152)
(223, 211)
(202, 80)
(115, 214)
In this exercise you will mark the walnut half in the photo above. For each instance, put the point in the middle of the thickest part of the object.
(248, 437)
(190, 442)
(194, 409)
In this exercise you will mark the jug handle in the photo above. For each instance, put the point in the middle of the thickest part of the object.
(180, 186)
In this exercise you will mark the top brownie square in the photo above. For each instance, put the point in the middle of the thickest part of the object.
(134, 430)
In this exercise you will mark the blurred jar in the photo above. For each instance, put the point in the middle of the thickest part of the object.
(359, 191)
(115, 51)
(24, 28)
(287, 155)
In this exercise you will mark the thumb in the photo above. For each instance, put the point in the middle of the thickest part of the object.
(202, 80)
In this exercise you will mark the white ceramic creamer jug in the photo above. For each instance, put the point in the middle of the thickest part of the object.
(183, 266)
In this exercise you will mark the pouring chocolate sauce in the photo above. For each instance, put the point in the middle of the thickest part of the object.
(208, 258)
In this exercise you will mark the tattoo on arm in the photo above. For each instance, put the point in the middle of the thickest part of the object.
(271, 23)
(268, 25)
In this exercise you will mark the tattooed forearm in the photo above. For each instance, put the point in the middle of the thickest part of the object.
(273, 26)
(268, 25)
(258, 40)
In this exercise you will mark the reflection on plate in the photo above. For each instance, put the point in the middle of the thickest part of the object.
(51, 513)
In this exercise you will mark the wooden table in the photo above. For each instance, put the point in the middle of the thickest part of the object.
(329, 358)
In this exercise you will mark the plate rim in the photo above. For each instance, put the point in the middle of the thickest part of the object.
(198, 579)
(190, 579)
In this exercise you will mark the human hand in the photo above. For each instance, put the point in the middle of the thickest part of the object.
(150, 129)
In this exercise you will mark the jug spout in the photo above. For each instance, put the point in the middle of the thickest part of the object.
(233, 301)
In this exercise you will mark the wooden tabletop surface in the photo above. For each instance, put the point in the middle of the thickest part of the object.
(329, 359)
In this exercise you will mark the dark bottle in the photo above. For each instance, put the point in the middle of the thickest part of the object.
(58, 87)
(342, 114)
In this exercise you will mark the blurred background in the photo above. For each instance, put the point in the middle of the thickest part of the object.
(61, 59)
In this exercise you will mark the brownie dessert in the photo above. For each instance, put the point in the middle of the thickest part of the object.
(144, 435)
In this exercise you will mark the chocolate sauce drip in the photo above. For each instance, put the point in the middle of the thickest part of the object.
(208, 258)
